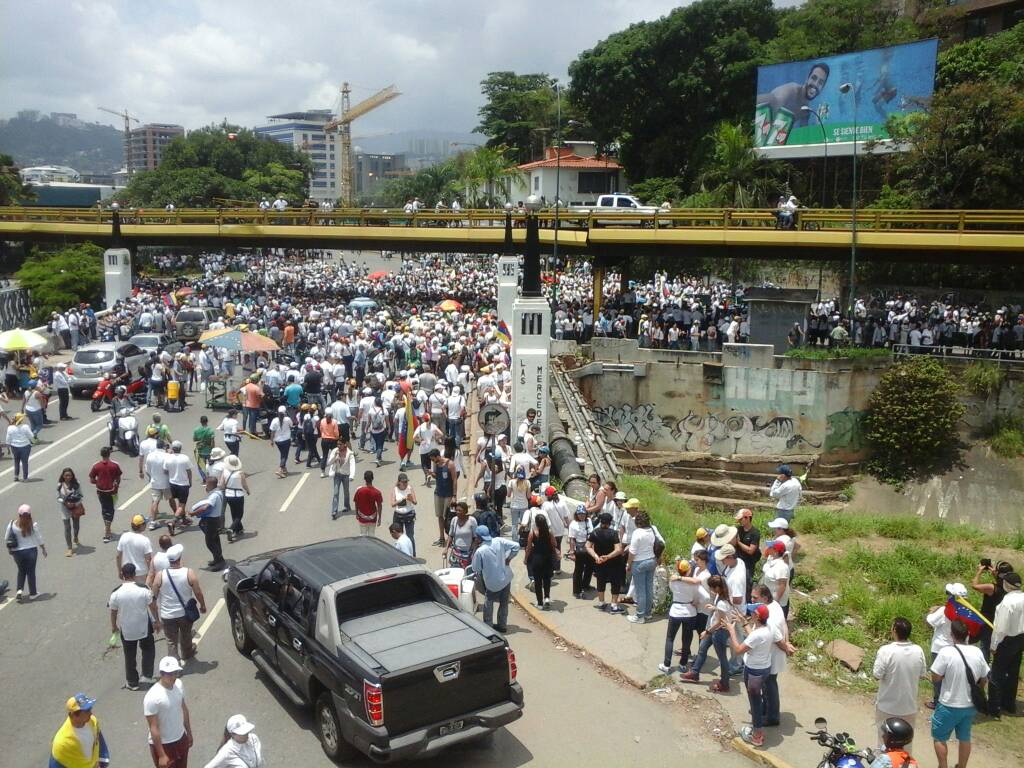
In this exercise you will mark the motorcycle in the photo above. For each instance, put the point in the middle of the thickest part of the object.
(124, 432)
(842, 751)
(104, 392)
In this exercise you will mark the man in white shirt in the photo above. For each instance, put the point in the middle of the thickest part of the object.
(455, 412)
(955, 709)
(1007, 646)
(428, 437)
(341, 413)
(941, 636)
(786, 489)
(170, 730)
(133, 614)
(134, 547)
(179, 476)
(159, 482)
(899, 666)
(402, 542)
(557, 513)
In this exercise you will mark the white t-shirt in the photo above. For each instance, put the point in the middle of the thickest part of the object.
(941, 636)
(774, 571)
(455, 404)
(132, 605)
(229, 427)
(641, 544)
(178, 466)
(760, 643)
(736, 580)
(956, 692)
(404, 544)
(133, 548)
(898, 668)
(233, 754)
(427, 435)
(557, 515)
(158, 478)
(85, 738)
(281, 429)
(166, 704)
(684, 596)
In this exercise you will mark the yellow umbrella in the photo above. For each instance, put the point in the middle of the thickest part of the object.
(450, 305)
(20, 339)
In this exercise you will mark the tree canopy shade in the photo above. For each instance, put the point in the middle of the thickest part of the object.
(60, 279)
(209, 163)
(999, 58)
(658, 87)
(12, 190)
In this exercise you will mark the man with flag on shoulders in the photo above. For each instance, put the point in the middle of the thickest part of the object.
(79, 742)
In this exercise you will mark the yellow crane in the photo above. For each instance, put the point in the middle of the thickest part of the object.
(127, 135)
(343, 124)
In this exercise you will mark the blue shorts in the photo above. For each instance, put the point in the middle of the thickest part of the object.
(945, 720)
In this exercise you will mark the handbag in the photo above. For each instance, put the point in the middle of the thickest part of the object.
(191, 607)
(978, 697)
(11, 537)
(77, 510)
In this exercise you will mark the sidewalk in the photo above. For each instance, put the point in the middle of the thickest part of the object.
(636, 650)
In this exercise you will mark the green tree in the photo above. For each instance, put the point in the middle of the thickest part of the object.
(999, 58)
(735, 175)
(657, 88)
(12, 190)
(59, 279)
(912, 421)
(221, 162)
(657, 190)
(517, 107)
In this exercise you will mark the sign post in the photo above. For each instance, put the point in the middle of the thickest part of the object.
(531, 334)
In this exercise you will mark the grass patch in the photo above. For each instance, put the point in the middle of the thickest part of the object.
(982, 379)
(1005, 436)
(838, 353)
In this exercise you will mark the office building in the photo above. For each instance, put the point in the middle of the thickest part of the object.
(147, 144)
(304, 131)
(374, 168)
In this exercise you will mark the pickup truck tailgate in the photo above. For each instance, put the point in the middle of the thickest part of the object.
(412, 644)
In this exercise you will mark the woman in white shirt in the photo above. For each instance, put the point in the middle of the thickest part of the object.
(341, 468)
(403, 502)
(241, 748)
(20, 438)
(757, 663)
(28, 542)
(583, 564)
(682, 614)
(235, 485)
(641, 563)
(230, 427)
(715, 635)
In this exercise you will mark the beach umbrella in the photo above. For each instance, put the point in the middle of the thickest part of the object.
(378, 275)
(19, 339)
(450, 305)
(238, 341)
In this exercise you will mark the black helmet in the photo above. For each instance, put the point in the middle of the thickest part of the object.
(897, 732)
(482, 502)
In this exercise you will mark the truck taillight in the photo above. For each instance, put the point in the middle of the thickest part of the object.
(513, 669)
(373, 698)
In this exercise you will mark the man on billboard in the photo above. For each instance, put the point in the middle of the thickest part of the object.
(780, 109)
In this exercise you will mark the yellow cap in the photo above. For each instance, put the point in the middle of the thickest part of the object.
(138, 520)
(632, 504)
(702, 532)
(683, 567)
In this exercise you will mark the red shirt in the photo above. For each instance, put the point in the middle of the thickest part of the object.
(105, 475)
(368, 501)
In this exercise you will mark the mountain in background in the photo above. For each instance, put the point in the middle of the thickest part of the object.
(60, 138)
(418, 142)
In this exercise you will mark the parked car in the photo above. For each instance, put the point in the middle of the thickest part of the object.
(156, 342)
(375, 644)
(190, 322)
(91, 362)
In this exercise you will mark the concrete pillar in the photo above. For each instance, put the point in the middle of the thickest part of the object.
(531, 347)
(117, 273)
(508, 287)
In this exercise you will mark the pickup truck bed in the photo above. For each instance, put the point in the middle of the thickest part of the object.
(412, 635)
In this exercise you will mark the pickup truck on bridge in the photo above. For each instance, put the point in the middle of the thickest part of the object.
(617, 203)
(375, 644)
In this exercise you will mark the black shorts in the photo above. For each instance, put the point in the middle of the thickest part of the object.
(158, 386)
(425, 461)
(609, 574)
(179, 492)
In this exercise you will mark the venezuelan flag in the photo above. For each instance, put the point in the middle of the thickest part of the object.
(957, 608)
(405, 437)
(502, 333)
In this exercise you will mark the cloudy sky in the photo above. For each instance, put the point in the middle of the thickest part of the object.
(197, 61)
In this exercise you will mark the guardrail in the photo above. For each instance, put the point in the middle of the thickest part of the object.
(1010, 357)
(973, 221)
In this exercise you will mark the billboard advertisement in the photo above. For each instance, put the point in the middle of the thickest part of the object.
(886, 81)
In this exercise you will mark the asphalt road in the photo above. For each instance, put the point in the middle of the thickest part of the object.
(56, 645)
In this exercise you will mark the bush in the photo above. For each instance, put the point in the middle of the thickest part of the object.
(911, 425)
(1005, 435)
(982, 379)
(839, 353)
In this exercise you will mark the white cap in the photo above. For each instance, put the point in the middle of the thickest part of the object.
(169, 665)
(956, 589)
(239, 726)
(779, 522)
(175, 552)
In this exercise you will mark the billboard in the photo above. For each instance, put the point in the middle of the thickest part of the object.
(886, 81)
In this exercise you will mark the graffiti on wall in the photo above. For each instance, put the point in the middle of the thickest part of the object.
(845, 430)
(703, 432)
(15, 309)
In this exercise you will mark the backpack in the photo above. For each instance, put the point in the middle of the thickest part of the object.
(377, 423)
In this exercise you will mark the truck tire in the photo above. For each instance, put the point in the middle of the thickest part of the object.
(329, 730)
(239, 633)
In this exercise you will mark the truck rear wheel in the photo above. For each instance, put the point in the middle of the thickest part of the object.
(329, 730)
(239, 633)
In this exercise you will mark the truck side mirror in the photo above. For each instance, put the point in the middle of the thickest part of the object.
(246, 584)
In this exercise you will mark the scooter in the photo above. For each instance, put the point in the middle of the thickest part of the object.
(124, 431)
(105, 390)
(842, 751)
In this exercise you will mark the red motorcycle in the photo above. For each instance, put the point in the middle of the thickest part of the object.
(104, 392)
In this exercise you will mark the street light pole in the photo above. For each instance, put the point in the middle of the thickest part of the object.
(558, 169)
(824, 165)
(849, 88)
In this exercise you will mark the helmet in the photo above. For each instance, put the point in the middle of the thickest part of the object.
(121, 391)
(897, 732)
(481, 500)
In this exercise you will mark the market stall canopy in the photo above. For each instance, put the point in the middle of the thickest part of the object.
(238, 340)
(378, 275)
(450, 305)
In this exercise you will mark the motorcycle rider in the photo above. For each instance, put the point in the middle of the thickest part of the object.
(896, 734)
(118, 405)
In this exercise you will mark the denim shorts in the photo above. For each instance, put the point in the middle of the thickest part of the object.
(945, 720)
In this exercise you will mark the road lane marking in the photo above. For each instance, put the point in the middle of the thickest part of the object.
(210, 617)
(36, 470)
(57, 442)
(294, 493)
(132, 500)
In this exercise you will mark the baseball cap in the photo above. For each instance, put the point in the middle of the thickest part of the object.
(619, 496)
(239, 726)
(176, 445)
(743, 513)
(761, 612)
(550, 491)
(79, 703)
(482, 532)
(169, 665)
(778, 547)
(779, 522)
(24, 509)
(1012, 578)
(701, 533)
(956, 589)
(632, 504)
(683, 567)
(784, 469)
(174, 553)
(727, 550)
(138, 520)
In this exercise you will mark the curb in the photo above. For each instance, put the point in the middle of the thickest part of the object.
(738, 744)
(752, 752)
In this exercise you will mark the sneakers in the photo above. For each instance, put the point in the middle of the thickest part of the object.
(634, 619)
(75, 540)
(664, 669)
(749, 735)
(147, 680)
(69, 553)
(130, 686)
(601, 606)
(19, 596)
(107, 538)
(547, 603)
(616, 609)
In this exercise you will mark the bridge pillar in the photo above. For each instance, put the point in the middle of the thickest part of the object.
(117, 273)
(531, 337)
(508, 277)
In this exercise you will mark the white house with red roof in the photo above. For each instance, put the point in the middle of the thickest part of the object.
(582, 174)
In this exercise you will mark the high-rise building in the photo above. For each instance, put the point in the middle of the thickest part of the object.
(374, 168)
(304, 131)
(147, 143)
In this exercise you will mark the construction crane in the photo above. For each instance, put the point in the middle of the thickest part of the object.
(127, 135)
(343, 124)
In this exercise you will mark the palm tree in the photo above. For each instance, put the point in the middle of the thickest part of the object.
(735, 174)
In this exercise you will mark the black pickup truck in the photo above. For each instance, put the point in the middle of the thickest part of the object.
(375, 644)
